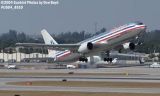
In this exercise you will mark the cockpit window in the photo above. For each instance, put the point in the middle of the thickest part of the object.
(139, 23)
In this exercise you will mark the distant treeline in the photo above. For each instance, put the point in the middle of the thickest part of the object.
(151, 40)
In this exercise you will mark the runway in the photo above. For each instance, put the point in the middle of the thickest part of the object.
(135, 75)
(80, 89)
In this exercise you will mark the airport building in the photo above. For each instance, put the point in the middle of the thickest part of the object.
(18, 57)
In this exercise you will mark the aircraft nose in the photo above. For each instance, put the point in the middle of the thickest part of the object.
(139, 23)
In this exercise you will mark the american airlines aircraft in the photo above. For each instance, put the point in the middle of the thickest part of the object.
(117, 38)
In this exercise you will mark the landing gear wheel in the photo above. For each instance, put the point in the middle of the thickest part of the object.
(86, 60)
(108, 60)
(83, 59)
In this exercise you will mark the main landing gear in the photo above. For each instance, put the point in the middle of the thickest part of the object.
(108, 60)
(107, 57)
(83, 59)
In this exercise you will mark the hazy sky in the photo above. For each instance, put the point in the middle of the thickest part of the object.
(78, 15)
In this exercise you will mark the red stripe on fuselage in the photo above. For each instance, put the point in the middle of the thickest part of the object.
(65, 54)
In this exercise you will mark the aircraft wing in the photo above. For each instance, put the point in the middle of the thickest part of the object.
(59, 47)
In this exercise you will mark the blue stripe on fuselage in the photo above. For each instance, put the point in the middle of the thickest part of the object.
(61, 52)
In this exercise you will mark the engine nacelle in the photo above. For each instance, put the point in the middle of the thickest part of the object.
(129, 45)
(86, 47)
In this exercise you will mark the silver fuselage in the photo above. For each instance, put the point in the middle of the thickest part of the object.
(107, 41)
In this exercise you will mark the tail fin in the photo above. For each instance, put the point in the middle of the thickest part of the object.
(47, 37)
(49, 40)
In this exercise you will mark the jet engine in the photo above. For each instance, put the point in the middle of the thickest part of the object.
(86, 47)
(129, 45)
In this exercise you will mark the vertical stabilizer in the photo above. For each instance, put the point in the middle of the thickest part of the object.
(47, 37)
(49, 40)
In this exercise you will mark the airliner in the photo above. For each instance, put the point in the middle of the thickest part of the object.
(117, 38)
